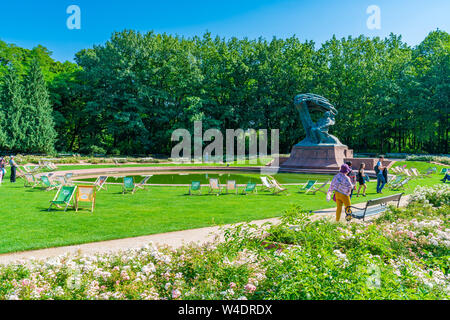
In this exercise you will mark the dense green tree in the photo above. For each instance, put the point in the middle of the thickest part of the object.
(12, 106)
(37, 115)
(129, 94)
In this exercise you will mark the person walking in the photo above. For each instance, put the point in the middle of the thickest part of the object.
(342, 187)
(381, 181)
(2, 169)
(361, 176)
(352, 177)
(13, 166)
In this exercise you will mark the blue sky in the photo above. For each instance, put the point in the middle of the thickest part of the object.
(28, 23)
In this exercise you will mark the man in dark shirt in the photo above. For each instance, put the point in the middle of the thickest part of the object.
(13, 166)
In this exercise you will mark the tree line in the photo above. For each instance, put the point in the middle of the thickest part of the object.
(129, 94)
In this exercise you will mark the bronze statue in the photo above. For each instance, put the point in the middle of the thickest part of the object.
(316, 133)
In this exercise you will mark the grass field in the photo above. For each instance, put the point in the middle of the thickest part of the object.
(26, 224)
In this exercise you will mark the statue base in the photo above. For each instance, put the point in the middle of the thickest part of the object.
(318, 157)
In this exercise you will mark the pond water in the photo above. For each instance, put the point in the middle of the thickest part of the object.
(187, 178)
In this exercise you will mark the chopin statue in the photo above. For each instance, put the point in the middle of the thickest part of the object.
(316, 133)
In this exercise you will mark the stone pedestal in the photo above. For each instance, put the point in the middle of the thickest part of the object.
(318, 157)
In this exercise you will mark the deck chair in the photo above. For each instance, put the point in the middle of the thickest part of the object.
(319, 189)
(48, 184)
(30, 169)
(214, 186)
(195, 186)
(63, 197)
(128, 185)
(308, 186)
(249, 188)
(394, 180)
(141, 185)
(231, 186)
(429, 173)
(401, 185)
(266, 184)
(100, 183)
(59, 180)
(420, 175)
(400, 170)
(47, 166)
(407, 172)
(117, 162)
(277, 186)
(68, 178)
(443, 171)
(85, 194)
(20, 173)
(390, 178)
(30, 180)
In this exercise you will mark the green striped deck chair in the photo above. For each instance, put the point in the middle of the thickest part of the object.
(308, 186)
(63, 198)
(128, 185)
(48, 184)
(249, 188)
(195, 186)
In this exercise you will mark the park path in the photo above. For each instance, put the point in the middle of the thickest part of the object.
(174, 239)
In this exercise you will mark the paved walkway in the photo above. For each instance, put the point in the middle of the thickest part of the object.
(174, 239)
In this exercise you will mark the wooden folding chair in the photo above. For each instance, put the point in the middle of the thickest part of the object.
(85, 194)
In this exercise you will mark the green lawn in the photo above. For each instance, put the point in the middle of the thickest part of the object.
(26, 224)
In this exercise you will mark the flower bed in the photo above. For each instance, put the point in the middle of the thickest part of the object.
(439, 159)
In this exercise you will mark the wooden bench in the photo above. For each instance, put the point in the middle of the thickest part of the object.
(376, 206)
